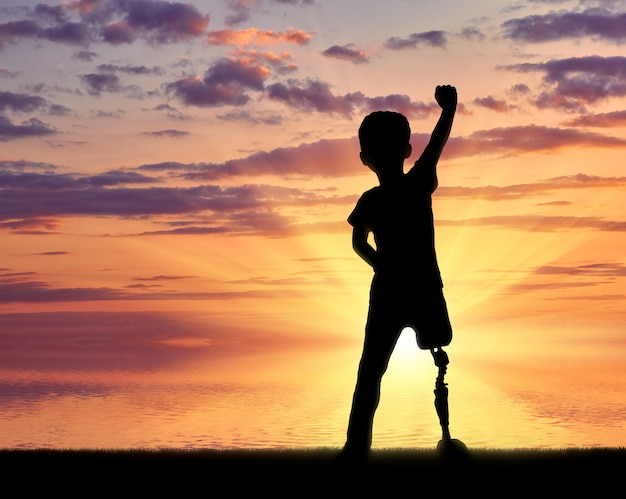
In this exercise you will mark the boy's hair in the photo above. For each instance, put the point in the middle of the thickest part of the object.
(384, 133)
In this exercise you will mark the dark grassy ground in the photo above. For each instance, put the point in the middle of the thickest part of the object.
(317, 472)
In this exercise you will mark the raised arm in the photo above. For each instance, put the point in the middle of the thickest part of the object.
(446, 97)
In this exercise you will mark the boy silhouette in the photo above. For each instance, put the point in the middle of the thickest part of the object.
(406, 289)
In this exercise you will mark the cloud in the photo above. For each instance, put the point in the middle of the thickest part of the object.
(538, 223)
(5, 73)
(602, 120)
(593, 23)
(23, 288)
(346, 53)
(172, 134)
(32, 226)
(245, 116)
(116, 177)
(577, 81)
(437, 39)
(489, 102)
(526, 139)
(98, 83)
(317, 96)
(155, 21)
(472, 34)
(23, 165)
(30, 128)
(240, 11)
(281, 63)
(226, 82)
(517, 191)
(21, 103)
(131, 70)
(394, 102)
(36, 202)
(258, 37)
(164, 278)
(309, 95)
(596, 270)
(325, 158)
(25, 103)
(114, 22)
(13, 31)
(85, 55)
(339, 157)
(296, 2)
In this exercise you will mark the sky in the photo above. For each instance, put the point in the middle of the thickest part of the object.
(176, 178)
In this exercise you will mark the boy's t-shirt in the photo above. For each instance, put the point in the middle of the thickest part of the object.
(401, 220)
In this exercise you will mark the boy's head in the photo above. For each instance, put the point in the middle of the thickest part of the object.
(384, 137)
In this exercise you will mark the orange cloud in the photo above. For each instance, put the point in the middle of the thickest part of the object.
(254, 36)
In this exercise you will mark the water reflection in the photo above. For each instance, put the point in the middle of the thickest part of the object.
(205, 404)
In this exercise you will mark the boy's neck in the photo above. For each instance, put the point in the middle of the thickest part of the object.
(392, 175)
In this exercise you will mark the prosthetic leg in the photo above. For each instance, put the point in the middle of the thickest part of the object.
(447, 445)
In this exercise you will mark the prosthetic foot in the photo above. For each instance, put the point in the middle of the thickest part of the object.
(447, 446)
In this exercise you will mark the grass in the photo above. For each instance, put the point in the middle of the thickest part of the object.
(317, 472)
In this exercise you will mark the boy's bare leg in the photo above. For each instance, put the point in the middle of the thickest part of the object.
(372, 367)
(364, 404)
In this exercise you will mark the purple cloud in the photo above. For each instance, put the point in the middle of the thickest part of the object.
(317, 96)
(114, 22)
(310, 95)
(226, 82)
(85, 55)
(430, 38)
(489, 102)
(117, 177)
(132, 70)
(525, 139)
(339, 157)
(21, 103)
(5, 73)
(172, 134)
(602, 120)
(472, 34)
(70, 33)
(163, 22)
(296, 2)
(516, 191)
(326, 158)
(394, 102)
(23, 165)
(13, 31)
(346, 53)
(577, 81)
(592, 23)
(25, 103)
(32, 226)
(101, 82)
(31, 128)
(33, 203)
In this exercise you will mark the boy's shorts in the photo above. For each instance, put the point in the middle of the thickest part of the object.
(394, 306)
